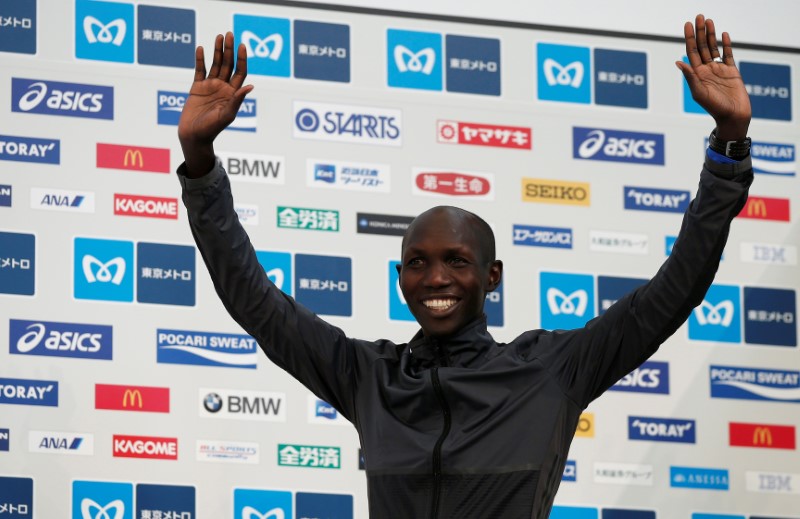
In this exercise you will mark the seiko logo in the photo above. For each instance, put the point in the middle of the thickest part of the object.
(260, 48)
(555, 192)
(573, 304)
(555, 74)
(112, 32)
(407, 61)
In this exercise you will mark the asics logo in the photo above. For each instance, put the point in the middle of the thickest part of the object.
(103, 273)
(594, 141)
(720, 314)
(105, 32)
(573, 304)
(261, 49)
(249, 512)
(555, 74)
(276, 276)
(407, 61)
(117, 507)
(34, 95)
(31, 339)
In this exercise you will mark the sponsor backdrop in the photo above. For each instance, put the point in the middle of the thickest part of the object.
(126, 390)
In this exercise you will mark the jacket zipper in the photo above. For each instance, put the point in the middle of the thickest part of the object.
(437, 449)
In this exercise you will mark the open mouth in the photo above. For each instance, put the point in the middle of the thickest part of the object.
(439, 304)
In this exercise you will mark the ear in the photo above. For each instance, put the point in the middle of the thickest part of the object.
(495, 275)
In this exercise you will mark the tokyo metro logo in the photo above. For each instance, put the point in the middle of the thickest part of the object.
(414, 59)
(718, 317)
(566, 300)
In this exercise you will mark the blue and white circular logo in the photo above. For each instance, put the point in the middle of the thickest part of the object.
(212, 402)
(307, 120)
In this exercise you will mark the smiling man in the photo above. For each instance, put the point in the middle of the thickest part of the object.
(453, 423)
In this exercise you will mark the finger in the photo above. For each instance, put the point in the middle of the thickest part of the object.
(227, 58)
(237, 99)
(241, 67)
(199, 64)
(691, 77)
(691, 45)
(711, 37)
(216, 63)
(727, 50)
(702, 45)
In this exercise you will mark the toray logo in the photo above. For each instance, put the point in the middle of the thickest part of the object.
(86, 341)
(754, 384)
(356, 124)
(651, 199)
(57, 98)
(617, 146)
(650, 377)
(269, 47)
(96, 32)
(28, 392)
(566, 300)
(718, 317)
(661, 429)
(30, 149)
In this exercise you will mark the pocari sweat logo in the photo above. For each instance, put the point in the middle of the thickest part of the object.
(718, 317)
(414, 59)
(104, 31)
(566, 300)
(170, 106)
(102, 500)
(206, 349)
(754, 383)
(617, 146)
(262, 504)
(103, 270)
(564, 73)
(661, 429)
(774, 159)
(86, 341)
(652, 199)
(650, 377)
(267, 42)
(35, 96)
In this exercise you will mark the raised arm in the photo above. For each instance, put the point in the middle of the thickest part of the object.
(213, 102)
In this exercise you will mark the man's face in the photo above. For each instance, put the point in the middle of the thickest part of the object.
(443, 275)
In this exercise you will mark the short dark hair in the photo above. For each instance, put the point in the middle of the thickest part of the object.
(482, 231)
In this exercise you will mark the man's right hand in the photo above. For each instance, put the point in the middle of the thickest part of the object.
(213, 102)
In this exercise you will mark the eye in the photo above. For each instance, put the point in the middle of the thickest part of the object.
(414, 262)
(458, 261)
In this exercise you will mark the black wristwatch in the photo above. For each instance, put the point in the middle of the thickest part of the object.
(736, 150)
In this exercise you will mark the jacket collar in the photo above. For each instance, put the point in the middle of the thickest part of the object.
(468, 346)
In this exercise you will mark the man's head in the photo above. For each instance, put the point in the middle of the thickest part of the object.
(447, 267)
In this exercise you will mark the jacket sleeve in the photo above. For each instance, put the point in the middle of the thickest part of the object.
(316, 353)
(589, 360)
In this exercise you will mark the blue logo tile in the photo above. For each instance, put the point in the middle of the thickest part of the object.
(102, 499)
(165, 274)
(103, 270)
(671, 430)
(610, 289)
(473, 65)
(84, 341)
(57, 98)
(566, 300)
(669, 242)
(620, 78)
(177, 500)
(774, 159)
(493, 307)
(617, 146)
(563, 73)
(30, 149)
(324, 284)
(17, 496)
(20, 26)
(718, 317)
(28, 392)
(619, 513)
(653, 199)
(170, 106)
(754, 384)
(226, 350)
(573, 512)
(570, 471)
(17, 263)
(246, 118)
(321, 51)
(650, 377)
(329, 506)
(398, 308)
(538, 236)
(698, 477)
(5, 435)
(268, 504)
(770, 316)
(278, 266)
(414, 59)
(268, 43)
(166, 36)
(6, 192)
(690, 106)
(770, 89)
(697, 515)
(104, 31)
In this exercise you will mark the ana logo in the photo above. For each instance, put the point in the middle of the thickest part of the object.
(131, 398)
(341, 123)
(150, 447)
(441, 183)
(97, 32)
(206, 349)
(763, 208)
(661, 429)
(650, 377)
(81, 444)
(29, 392)
(57, 98)
(618, 146)
(697, 477)
(754, 384)
(563, 72)
(62, 200)
(761, 435)
(774, 159)
(148, 206)
(555, 192)
(718, 318)
(101, 270)
(242, 405)
(534, 236)
(85, 341)
(135, 158)
(478, 134)
(651, 199)
(566, 300)
(30, 149)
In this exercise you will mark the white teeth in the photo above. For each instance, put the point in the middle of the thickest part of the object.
(439, 304)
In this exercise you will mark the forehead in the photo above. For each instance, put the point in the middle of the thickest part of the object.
(442, 227)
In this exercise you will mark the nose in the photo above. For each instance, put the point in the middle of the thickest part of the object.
(437, 275)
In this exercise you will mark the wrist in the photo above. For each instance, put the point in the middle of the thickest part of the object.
(732, 130)
(736, 149)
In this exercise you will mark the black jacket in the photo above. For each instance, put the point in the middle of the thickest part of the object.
(466, 428)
